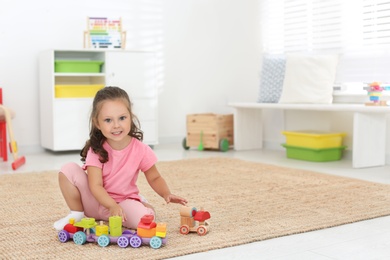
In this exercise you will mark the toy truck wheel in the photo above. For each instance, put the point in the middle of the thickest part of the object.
(135, 241)
(63, 236)
(79, 238)
(155, 242)
(184, 144)
(184, 230)
(103, 240)
(123, 241)
(201, 230)
(223, 145)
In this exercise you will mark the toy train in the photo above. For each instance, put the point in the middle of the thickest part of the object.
(189, 217)
(87, 230)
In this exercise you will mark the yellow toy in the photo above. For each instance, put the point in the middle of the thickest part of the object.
(375, 93)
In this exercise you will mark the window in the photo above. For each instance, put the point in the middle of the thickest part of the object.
(359, 30)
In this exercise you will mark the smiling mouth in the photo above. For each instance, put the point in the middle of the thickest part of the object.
(117, 133)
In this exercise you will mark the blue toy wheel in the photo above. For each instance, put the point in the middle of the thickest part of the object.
(80, 238)
(123, 241)
(155, 242)
(135, 241)
(103, 240)
(63, 236)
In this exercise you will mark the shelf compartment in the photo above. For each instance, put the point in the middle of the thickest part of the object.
(79, 79)
(77, 91)
(78, 66)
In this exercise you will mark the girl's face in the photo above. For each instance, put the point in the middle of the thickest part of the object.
(114, 121)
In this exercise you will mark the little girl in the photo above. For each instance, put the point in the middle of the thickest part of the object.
(113, 156)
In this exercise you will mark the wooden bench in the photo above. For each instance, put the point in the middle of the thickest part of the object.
(369, 128)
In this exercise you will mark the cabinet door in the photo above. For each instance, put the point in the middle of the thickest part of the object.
(146, 111)
(132, 71)
(71, 123)
(135, 73)
(150, 132)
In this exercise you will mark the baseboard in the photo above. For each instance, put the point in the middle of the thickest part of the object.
(30, 149)
(33, 149)
(170, 139)
(273, 146)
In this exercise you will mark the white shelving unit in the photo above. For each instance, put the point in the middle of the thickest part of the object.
(369, 127)
(65, 121)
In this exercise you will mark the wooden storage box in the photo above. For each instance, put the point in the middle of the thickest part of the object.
(209, 131)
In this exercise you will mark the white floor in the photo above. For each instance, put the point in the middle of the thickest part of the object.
(363, 240)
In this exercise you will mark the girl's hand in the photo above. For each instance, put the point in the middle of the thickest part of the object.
(116, 210)
(175, 199)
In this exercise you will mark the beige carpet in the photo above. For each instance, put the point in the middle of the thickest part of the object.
(248, 202)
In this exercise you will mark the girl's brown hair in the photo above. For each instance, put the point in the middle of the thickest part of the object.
(96, 138)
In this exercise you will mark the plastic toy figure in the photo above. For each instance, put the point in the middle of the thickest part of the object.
(374, 92)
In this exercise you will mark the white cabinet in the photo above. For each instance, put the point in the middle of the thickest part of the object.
(139, 80)
(64, 119)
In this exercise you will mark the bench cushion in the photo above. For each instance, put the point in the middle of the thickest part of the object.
(309, 79)
(272, 76)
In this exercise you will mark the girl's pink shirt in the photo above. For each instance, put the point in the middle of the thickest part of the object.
(120, 173)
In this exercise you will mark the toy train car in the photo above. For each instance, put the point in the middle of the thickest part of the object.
(87, 230)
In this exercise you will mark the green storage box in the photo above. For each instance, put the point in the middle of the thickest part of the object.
(77, 66)
(314, 154)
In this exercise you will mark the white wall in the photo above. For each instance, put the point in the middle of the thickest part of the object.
(211, 57)
(209, 53)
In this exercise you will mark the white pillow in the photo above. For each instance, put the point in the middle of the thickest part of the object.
(309, 78)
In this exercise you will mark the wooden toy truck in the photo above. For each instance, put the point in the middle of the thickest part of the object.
(209, 131)
(193, 220)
